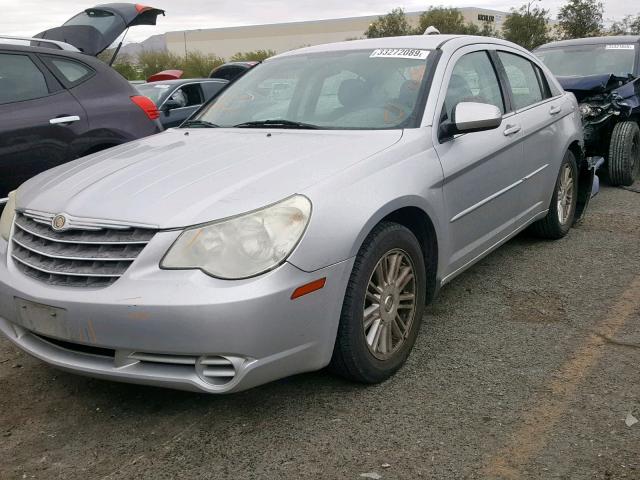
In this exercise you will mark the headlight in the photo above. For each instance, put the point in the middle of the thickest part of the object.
(585, 110)
(8, 214)
(588, 111)
(243, 246)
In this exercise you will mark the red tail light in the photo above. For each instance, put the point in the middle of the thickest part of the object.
(147, 106)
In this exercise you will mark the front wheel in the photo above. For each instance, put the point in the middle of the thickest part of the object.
(624, 154)
(562, 210)
(383, 306)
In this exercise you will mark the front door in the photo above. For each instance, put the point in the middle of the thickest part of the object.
(482, 170)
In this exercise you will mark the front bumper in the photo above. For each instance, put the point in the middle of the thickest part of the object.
(178, 319)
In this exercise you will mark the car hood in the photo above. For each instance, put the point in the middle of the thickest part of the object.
(590, 85)
(94, 29)
(186, 177)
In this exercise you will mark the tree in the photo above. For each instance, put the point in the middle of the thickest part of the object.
(447, 21)
(581, 18)
(151, 62)
(124, 65)
(629, 25)
(128, 70)
(199, 65)
(528, 27)
(393, 24)
(255, 56)
(487, 30)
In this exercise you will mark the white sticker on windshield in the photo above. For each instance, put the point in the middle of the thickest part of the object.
(620, 47)
(163, 87)
(400, 53)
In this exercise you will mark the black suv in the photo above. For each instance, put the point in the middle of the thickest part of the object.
(604, 75)
(58, 102)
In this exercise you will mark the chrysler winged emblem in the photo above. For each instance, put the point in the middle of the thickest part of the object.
(59, 222)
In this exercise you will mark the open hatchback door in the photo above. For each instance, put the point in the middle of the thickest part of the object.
(95, 29)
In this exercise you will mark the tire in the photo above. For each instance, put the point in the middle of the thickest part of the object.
(562, 210)
(371, 361)
(624, 154)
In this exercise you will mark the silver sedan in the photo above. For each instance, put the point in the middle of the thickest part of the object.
(303, 219)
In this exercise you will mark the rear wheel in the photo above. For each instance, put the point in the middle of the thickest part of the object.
(624, 154)
(383, 306)
(562, 210)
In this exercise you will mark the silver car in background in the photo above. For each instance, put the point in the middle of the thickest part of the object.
(302, 219)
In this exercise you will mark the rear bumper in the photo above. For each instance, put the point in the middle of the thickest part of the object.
(178, 315)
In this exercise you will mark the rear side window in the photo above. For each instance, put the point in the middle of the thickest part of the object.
(70, 72)
(524, 79)
(229, 73)
(20, 79)
(73, 72)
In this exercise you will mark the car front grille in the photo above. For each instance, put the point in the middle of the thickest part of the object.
(89, 254)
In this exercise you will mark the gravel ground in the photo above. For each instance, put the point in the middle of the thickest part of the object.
(526, 367)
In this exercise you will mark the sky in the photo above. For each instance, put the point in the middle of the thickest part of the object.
(28, 17)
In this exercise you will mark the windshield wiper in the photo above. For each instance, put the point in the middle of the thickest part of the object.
(277, 124)
(198, 124)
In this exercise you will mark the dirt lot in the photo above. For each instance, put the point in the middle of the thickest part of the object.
(527, 366)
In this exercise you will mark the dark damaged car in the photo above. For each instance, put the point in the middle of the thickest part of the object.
(604, 75)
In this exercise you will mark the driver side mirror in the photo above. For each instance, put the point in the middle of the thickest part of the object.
(469, 117)
(170, 105)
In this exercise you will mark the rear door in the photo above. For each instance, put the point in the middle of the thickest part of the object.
(482, 170)
(538, 112)
(39, 120)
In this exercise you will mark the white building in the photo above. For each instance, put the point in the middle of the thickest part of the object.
(281, 37)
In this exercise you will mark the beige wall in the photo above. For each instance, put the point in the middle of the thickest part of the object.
(225, 42)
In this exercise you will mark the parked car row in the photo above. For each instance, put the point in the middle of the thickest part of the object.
(302, 218)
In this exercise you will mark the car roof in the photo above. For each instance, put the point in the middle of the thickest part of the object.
(183, 81)
(617, 40)
(427, 42)
(88, 59)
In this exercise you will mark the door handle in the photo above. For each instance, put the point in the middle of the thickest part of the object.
(62, 120)
(512, 130)
(555, 110)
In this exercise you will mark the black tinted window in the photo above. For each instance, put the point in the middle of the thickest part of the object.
(20, 79)
(523, 78)
(212, 88)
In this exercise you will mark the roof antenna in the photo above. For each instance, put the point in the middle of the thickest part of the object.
(432, 31)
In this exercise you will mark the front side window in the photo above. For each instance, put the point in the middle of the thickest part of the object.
(585, 60)
(360, 89)
(192, 95)
(473, 80)
(20, 79)
(523, 79)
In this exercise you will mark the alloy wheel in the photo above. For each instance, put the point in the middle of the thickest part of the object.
(565, 194)
(390, 304)
(635, 157)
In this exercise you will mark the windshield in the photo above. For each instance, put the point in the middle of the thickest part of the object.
(584, 60)
(330, 90)
(155, 92)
